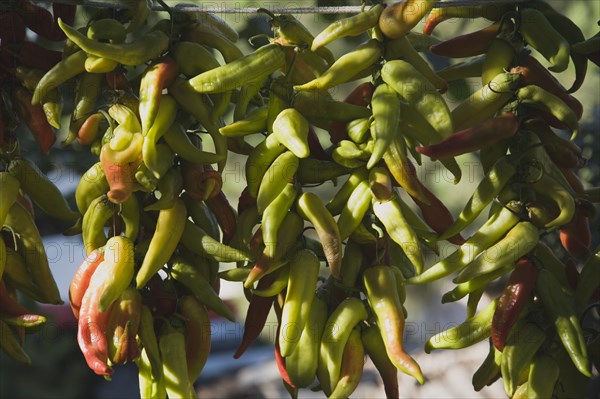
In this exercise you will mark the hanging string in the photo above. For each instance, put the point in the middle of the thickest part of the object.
(223, 8)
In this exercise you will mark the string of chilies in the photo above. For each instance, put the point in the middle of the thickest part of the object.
(144, 290)
(224, 9)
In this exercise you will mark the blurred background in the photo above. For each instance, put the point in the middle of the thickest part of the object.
(59, 370)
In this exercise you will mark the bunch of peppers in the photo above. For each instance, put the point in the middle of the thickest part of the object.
(144, 290)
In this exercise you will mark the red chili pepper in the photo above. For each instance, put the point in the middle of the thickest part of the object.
(36, 56)
(487, 133)
(38, 19)
(594, 57)
(121, 178)
(576, 237)
(436, 215)
(573, 180)
(256, 316)
(281, 363)
(158, 76)
(565, 153)
(360, 96)
(88, 132)
(316, 149)
(35, 119)
(469, 44)
(245, 201)
(571, 273)
(513, 299)
(9, 306)
(117, 80)
(534, 73)
(196, 178)
(12, 28)
(66, 12)
(91, 331)
(81, 280)
(225, 214)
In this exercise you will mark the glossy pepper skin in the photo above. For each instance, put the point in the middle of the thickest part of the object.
(474, 138)
(381, 290)
(514, 298)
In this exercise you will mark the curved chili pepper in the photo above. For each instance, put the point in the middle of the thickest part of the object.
(436, 214)
(576, 237)
(487, 133)
(534, 73)
(256, 315)
(280, 360)
(81, 280)
(158, 76)
(381, 291)
(512, 301)
(399, 18)
(226, 217)
(35, 118)
(469, 44)
(91, 331)
(564, 316)
(493, 12)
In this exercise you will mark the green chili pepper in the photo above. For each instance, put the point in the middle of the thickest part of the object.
(565, 319)
(471, 331)
(86, 93)
(403, 49)
(351, 26)
(355, 208)
(412, 86)
(539, 33)
(485, 102)
(69, 67)
(381, 290)
(197, 106)
(488, 234)
(390, 215)
(540, 98)
(227, 77)
(346, 68)
(172, 353)
(301, 285)
(184, 272)
(339, 325)
(386, 116)
(273, 216)
(147, 47)
(193, 58)
(91, 185)
(521, 239)
(177, 139)
(41, 190)
(523, 342)
(588, 281)
(543, 374)
(489, 371)
(311, 208)
(169, 230)
(34, 254)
